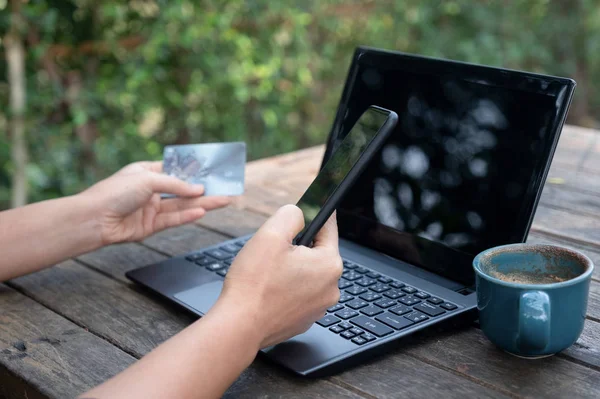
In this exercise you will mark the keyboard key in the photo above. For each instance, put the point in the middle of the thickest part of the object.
(394, 294)
(379, 287)
(356, 290)
(448, 306)
(343, 284)
(357, 304)
(345, 297)
(374, 327)
(371, 310)
(213, 267)
(195, 257)
(328, 321)
(359, 340)
(205, 260)
(356, 331)
(349, 265)
(365, 281)
(239, 244)
(393, 321)
(396, 284)
(231, 248)
(335, 308)
(347, 334)
(429, 309)
(409, 300)
(400, 310)
(345, 314)
(416, 317)
(352, 275)
(373, 275)
(385, 303)
(200, 259)
(228, 262)
(223, 272)
(370, 296)
(435, 301)
(368, 337)
(345, 325)
(336, 329)
(385, 280)
(409, 290)
(361, 270)
(219, 254)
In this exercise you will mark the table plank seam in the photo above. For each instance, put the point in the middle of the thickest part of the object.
(465, 376)
(580, 168)
(100, 271)
(257, 211)
(213, 230)
(336, 381)
(578, 361)
(564, 355)
(16, 380)
(549, 233)
(158, 251)
(78, 324)
(592, 318)
(566, 187)
(111, 276)
(545, 204)
(586, 154)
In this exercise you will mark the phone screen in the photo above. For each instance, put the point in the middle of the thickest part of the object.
(340, 163)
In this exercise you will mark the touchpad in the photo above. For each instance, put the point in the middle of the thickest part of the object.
(202, 297)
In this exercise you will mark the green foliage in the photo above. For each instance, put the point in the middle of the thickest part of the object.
(113, 82)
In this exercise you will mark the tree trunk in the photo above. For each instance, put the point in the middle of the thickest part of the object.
(15, 60)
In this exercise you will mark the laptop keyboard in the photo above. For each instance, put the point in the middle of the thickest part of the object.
(371, 305)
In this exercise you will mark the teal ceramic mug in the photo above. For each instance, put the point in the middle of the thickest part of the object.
(532, 299)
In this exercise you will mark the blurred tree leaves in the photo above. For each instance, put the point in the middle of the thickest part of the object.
(113, 82)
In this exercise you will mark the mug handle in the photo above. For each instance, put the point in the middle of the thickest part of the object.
(534, 321)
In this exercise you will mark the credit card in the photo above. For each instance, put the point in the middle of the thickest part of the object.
(218, 166)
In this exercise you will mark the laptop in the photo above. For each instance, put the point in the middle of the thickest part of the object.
(462, 172)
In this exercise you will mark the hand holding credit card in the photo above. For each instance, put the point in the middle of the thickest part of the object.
(219, 167)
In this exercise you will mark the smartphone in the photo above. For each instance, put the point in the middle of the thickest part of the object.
(342, 169)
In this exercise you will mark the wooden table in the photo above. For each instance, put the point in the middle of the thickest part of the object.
(69, 328)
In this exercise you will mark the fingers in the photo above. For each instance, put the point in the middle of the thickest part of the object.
(180, 204)
(173, 219)
(160, 183)
(152, 166)
(328, 235)
(287, 222)
(210, 203)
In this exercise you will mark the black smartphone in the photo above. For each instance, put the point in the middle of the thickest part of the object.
(342, 169)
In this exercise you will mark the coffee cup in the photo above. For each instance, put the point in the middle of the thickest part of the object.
(532, 299)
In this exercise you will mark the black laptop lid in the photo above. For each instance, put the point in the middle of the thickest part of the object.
(465, 167)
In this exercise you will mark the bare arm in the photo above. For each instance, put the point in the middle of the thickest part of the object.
(201, 361)
(123, 207)
(262, 304)
(43, 234)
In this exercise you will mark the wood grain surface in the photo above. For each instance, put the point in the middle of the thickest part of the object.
(68, 328)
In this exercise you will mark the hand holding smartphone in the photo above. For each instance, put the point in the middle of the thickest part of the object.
(343, 168)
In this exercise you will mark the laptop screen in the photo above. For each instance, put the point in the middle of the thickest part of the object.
(463, 170)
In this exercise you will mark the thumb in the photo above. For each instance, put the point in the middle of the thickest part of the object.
(288, 221)
(328, 235)
(160, 183)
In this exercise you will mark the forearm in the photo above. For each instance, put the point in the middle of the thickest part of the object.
(43, 234)
(202, 361)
